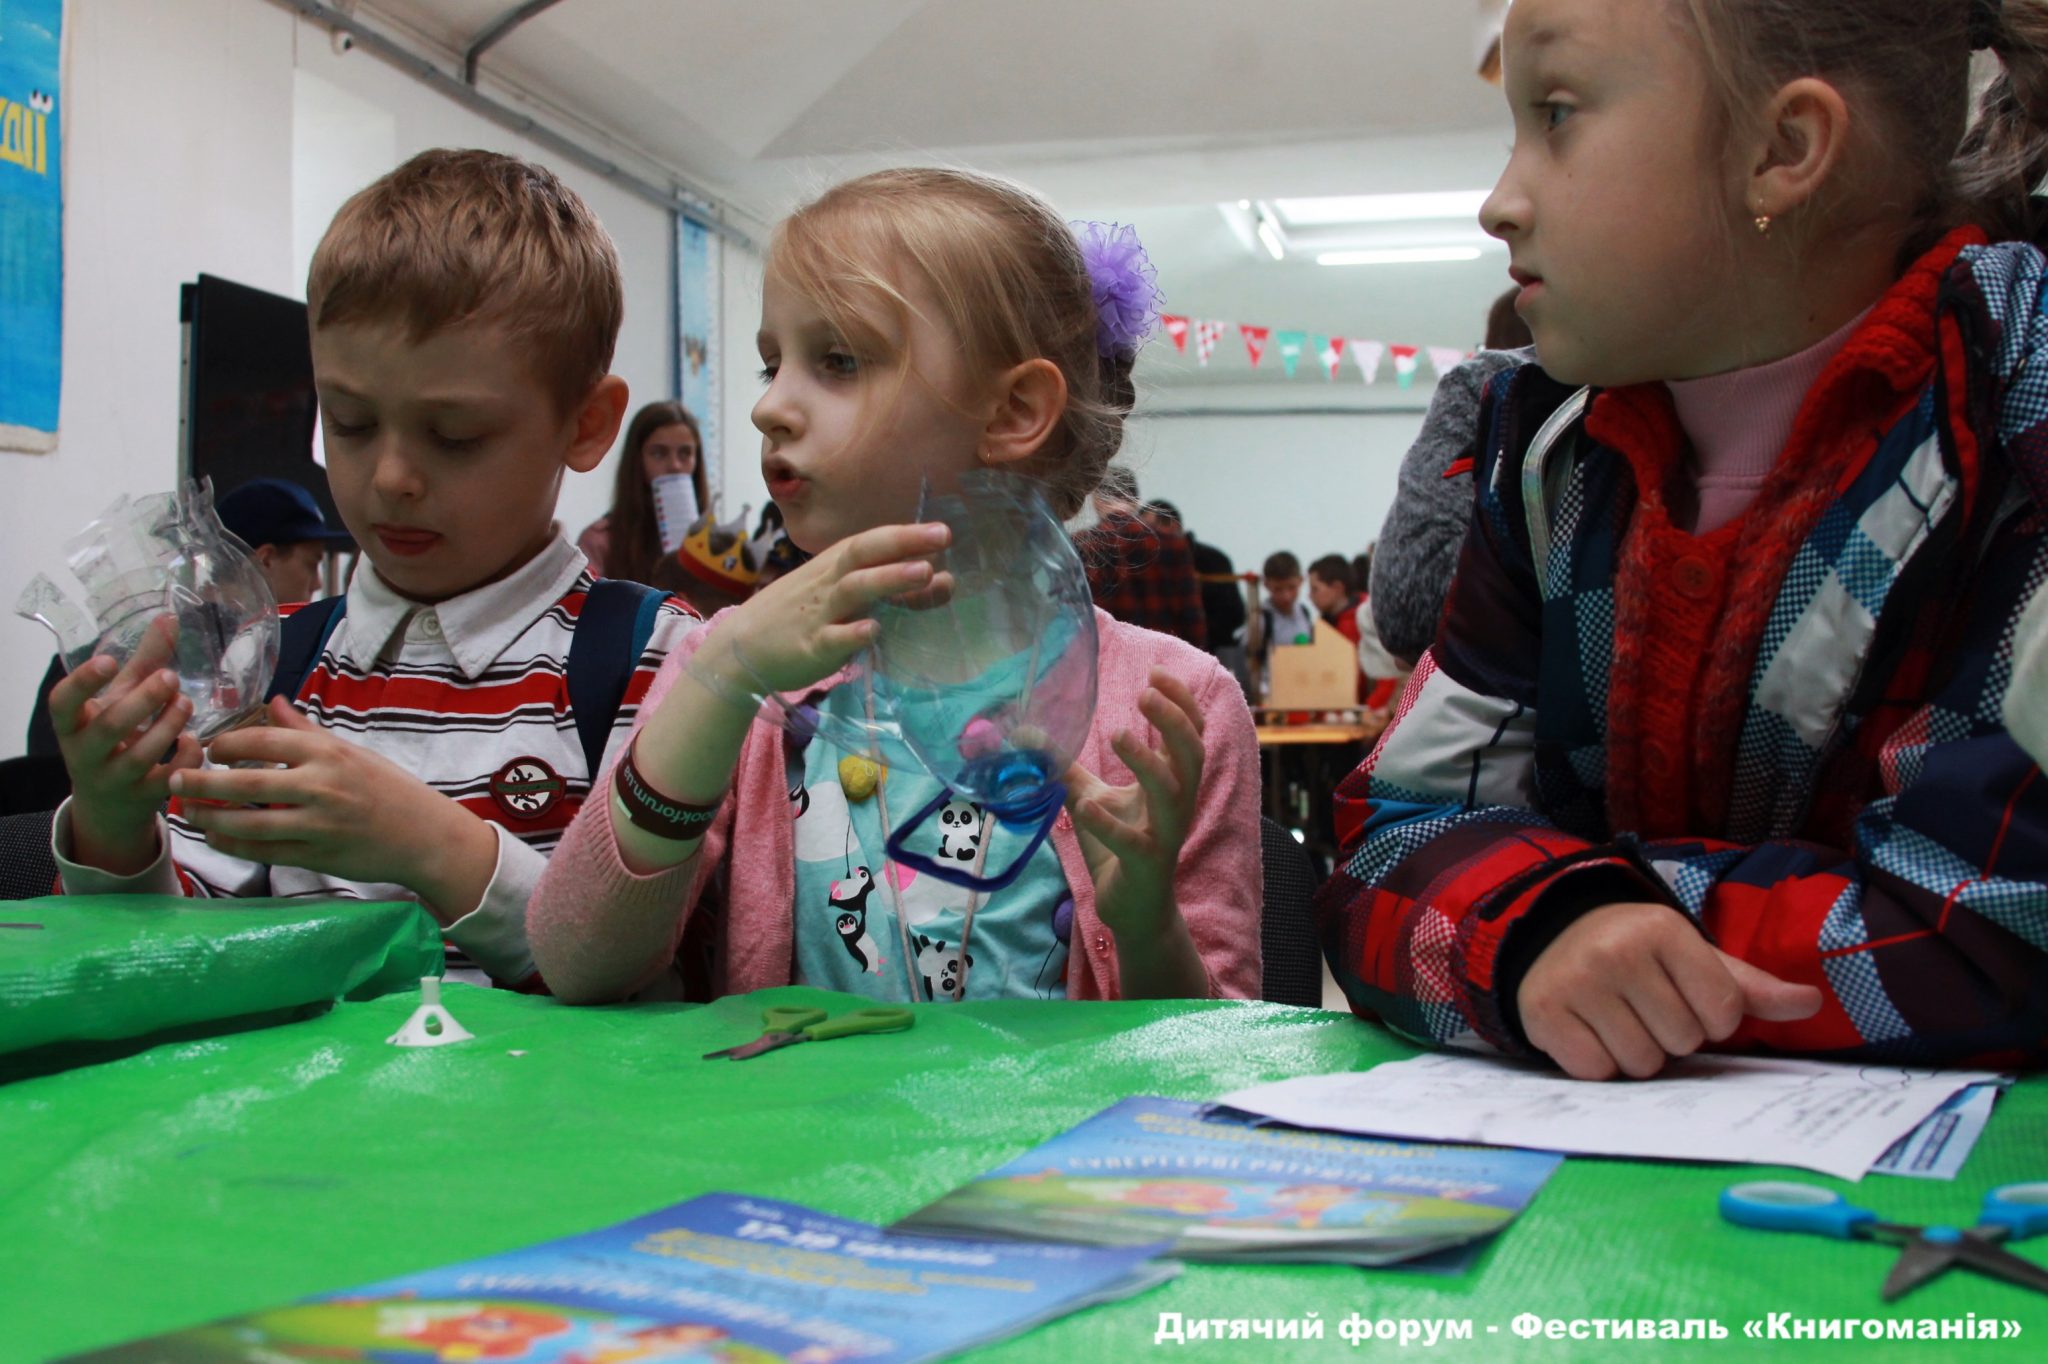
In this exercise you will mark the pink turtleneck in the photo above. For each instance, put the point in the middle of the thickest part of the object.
(1738, 424)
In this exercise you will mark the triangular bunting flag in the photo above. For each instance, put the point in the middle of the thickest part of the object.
(1405, 363)
(1444, 359)
(1367, 355)
(1207, 334)
(1177, 328)
(1330, 350)
(1290, 344)
(1254, 341)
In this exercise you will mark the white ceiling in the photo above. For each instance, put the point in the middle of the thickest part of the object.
(1148, 111)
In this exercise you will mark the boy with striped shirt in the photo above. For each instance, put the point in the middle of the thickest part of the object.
(463, 310)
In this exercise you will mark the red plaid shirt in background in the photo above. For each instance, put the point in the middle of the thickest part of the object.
(1144, 577)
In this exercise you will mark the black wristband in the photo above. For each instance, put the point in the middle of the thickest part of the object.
(656, 813)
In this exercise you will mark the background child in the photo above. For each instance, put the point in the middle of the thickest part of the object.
(917, 324)
(282, 523)
(1333, 592)
(1709, 748)
(1222, 595)
(625, 542)
(1140, 570)
(463, 310)
(1284, 618)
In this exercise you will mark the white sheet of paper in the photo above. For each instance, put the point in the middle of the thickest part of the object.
(1837, 1119)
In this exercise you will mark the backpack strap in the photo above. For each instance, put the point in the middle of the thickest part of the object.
(611, 633)
(300, 639)
(1544, 481)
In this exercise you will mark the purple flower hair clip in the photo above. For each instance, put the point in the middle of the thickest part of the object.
(1126, 297)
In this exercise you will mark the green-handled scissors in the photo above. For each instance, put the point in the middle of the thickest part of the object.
(2012, 1212)
(788, 1025)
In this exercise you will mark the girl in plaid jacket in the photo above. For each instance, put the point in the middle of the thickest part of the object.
(1710, 750)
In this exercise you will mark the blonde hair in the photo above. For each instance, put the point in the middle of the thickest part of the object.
(1005, 275)
(452, 237)
(1905, 67)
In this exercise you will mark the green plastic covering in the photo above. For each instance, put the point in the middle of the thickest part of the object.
(202, 1179)
(122, 968)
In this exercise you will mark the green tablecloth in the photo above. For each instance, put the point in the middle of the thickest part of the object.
(111, 972)
(203, 1178)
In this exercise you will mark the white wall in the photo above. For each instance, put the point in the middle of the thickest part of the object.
(177, 159)
(742, 481)
(218, 136)
(1259, 480)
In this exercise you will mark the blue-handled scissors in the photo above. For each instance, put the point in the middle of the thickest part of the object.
(2012, 1212)
(787, 1025)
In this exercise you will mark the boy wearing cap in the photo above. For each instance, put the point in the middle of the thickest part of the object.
(285, 531)
(463, 311)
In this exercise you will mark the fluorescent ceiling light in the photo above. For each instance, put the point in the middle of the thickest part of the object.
(1381, 208)
(1408, 255)
(1271, 238)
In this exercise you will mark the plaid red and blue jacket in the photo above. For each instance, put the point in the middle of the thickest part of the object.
(1144, 577)
(1789, 730)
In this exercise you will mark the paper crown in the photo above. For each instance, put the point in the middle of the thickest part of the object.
(719, 555)
(773, 549)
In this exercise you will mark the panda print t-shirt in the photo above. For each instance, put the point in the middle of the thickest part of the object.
(848, 892)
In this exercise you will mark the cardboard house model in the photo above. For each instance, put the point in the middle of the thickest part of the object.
(1318, 676)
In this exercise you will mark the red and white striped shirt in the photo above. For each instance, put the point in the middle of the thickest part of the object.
(470, 695)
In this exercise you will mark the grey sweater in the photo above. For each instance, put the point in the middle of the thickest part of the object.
(1418, 547)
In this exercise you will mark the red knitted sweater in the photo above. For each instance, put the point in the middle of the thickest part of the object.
(1690, 610)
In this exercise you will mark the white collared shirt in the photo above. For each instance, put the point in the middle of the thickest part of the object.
(471, 696)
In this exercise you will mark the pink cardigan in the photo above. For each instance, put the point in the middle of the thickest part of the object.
(604, 932)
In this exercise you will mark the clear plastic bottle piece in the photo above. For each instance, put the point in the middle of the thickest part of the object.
(167, 555)
(991, 689)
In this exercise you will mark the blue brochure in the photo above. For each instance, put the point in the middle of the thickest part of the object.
(1221, 1188)
(721, 1278)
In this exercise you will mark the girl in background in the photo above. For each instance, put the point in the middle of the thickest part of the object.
(626, 542)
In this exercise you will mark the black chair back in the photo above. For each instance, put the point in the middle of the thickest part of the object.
(27, 871)
(31, 784)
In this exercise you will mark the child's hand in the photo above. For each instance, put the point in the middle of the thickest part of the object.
(1629, 986)
(114, 728)
(807, 624)
(339, 809)
(1131, 835)
(1375, 722)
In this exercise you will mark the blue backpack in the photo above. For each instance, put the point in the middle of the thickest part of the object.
(611, 634)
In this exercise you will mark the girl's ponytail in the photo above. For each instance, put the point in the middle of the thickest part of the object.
(2005, 154)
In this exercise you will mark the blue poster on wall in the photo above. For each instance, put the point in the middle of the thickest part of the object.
(31, 224)
(697, 303)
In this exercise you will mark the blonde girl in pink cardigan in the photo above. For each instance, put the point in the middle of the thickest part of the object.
(917, 324)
